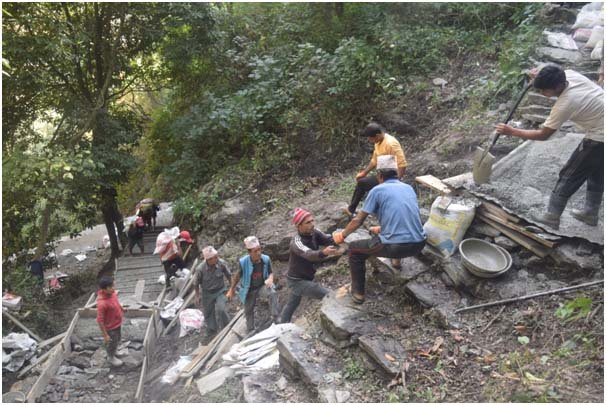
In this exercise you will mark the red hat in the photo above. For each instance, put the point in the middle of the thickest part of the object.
(299, 215)
(185, 235)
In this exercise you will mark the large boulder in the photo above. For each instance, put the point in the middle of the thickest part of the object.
(234, 220)
(558, 55)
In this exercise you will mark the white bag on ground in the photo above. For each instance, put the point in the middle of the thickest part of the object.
(172, 374)
(560, 40)
(190, 320)
(170, 310)
(598, 51)
(589, 19)
(597, 34)
(445, 228)
(11, 301)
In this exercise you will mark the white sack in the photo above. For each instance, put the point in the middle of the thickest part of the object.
(445, 228)
(190, 320)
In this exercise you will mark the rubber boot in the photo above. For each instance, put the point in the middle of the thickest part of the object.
(589, 214)
(551, 218)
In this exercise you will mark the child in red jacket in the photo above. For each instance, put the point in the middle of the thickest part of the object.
(109, 318)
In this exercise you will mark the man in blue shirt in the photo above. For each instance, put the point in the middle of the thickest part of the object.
(400, 233)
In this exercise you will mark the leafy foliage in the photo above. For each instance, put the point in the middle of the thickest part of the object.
(574, 309)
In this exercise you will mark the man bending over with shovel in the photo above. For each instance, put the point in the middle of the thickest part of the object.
(581, 101)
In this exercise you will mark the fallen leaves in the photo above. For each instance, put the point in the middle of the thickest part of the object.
(456, 335)
(390, 357)
(436, 346)
(521, 329)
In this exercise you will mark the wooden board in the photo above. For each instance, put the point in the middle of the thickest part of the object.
(139, 288)
(517, 228)
(54, 362)
(434, 183)
(500, 212)
(20, 325)
(139, 392)
(528, 243)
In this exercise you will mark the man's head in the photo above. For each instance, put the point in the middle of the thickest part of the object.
(254, 248)
(185, 237)
(210, 255)
(387, 168)
(304, 221)
(550, 81)
(373, 132)
(106, 284)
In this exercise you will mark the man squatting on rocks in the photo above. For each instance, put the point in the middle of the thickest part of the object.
(109, 318)
(210, 276)
(255, 277)
(384, 144)
(172, 255)
(581, 101)
(400, 233)
(305, 255)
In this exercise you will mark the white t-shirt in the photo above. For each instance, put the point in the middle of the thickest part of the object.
(581, 102)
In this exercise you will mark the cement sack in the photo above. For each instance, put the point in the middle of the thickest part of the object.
(598, 51)
(190, 320)
(589, 19)
(11, 302)
(560, 40)
(597, 34)
(445, 228)
(170, 310)
(172, 374)
(582, 34)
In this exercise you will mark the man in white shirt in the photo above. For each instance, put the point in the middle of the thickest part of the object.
(581, 101)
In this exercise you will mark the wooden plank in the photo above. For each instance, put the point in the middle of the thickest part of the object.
(528, 243)
(149, 335)
(228, 341)
(500, 212)
(434, 183)
(139, 290)
(518, 228)
(39, 360)
(91, 301)
(54, 362)
(66, 341)
(51, 340)
(139, 392)
(20, 325)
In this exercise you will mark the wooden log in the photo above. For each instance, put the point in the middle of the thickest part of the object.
(518, 228)
(51, 340)
(20, 325)
(54, 362)
(434, 183)
(172, 323)
(526, 242)
(139, 392)
(91, 300)
(525, 297)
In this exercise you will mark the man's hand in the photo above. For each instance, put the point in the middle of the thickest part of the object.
(532, 73)
(338, 237)
(375, 230)
(504, 129)
(270, 281)
(331, 251)
(361, 174)
(230, 294)
(106, 338)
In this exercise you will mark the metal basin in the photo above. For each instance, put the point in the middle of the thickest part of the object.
(483, 274)
(482, 257)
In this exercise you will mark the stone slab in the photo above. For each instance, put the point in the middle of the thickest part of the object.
(259, 388)
(343, 319)
(381, 349)
(539, 99)
(559, 55)
(296, 358)
(432, 292)
(214, 380)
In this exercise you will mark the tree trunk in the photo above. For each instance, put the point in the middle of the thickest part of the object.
(108, 218)
(43, 235)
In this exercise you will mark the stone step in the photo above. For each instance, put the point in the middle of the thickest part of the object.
(411, 267)
(535, 109)
(539, 99)
(431, 292)
(385, 351)
(558, 55)
(535, 118)
(344, 320)
(296, 358)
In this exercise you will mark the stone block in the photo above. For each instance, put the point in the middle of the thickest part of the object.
(539, 99)
(343, 319)
(432, 292)
(506, 243)
(381, 349)
(296, 359)
(558, 55)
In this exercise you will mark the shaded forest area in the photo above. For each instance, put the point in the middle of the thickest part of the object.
(105, 103)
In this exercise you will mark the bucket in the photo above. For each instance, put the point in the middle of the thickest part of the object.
(14, 397)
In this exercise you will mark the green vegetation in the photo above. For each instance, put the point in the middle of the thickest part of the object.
(105, 103)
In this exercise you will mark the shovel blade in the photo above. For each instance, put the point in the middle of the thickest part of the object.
(482, 166)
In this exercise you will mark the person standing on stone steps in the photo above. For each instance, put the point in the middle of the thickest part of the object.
(400, 233)
(254, 277)
(384, 144)
(210, 278)
(109, 318)
(581, 101)
(305, 255)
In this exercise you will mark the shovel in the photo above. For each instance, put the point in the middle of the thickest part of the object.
(483, 160)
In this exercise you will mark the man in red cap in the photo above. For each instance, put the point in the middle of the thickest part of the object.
(172, 255)
(305, 256)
